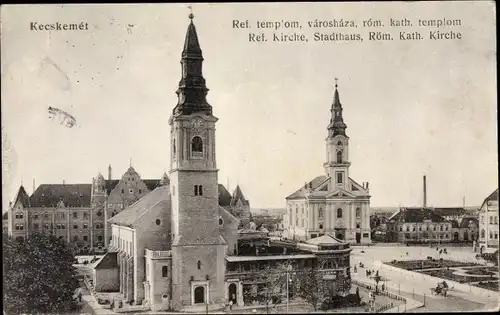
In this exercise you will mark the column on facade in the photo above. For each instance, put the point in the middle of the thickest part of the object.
(91, 225)
(105, 225)
(130, 279)
(122, 273)
(184, 143)
(326, 217)
(239, 301)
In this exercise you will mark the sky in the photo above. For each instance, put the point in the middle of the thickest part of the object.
(411, 107)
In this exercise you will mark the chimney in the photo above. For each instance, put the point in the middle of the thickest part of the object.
(425, 191)
(366, 185)
(109, 172)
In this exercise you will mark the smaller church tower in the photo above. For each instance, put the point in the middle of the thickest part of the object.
(337, 145)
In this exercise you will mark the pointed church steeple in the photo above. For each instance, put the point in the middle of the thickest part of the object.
(192, 89)
(337, 125)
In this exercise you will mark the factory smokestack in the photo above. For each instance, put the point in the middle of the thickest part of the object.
(109, 172)
(425, 191)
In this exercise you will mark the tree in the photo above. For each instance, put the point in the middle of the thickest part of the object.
(311, 287)
(39, 276)
(272, 281)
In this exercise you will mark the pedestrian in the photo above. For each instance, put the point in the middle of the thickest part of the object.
(231, 305)
(383, 287)
(80, 296)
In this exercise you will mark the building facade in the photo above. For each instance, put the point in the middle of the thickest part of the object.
(488, 223)
(77, 213)
(417, 225)
(331, 203)
(179, 246)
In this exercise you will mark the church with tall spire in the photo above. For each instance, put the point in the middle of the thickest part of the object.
(332, 203)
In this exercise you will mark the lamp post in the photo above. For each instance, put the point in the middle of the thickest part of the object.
(288, 269)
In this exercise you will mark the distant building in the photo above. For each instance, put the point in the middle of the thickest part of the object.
(412, 225)
(331, 203)
(488, 223)
(465, 229)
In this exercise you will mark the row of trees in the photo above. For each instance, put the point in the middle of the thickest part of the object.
(307, 284)
(38, 275)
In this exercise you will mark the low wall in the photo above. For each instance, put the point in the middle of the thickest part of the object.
(456, 285)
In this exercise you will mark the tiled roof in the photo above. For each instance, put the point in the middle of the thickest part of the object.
(73, 195)
(108, 261)
(224, 196)
(466, 221)
(158, 198)
(492, 197)
(22, 197)
(414, 215)
(301, 193)
(151, 184)
(450, 211)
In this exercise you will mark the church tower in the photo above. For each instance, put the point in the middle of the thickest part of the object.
(337, 146)
(198, 249)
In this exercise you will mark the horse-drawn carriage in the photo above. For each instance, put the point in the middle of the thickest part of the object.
(442, 288)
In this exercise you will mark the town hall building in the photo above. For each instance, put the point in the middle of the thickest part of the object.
(331, 203)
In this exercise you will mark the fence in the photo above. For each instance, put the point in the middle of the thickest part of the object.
(384, 308)
(380, 292)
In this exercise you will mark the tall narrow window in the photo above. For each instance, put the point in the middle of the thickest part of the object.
(339, 213)
(358, 212)
(320, 213)
(200, 190)
(199, 265)
(339, 156)
(196, 190)
(339, 178)
(173, 146)
(197, 145)
(164, 271)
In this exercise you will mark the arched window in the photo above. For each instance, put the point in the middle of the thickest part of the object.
(321, 226)
(358, 212)
(339, 156)
(200, 190)
(173, 146)
(357, 225)
(339, 213)
(199, 265)
(339, 143)
(197, 144)
(196, 190)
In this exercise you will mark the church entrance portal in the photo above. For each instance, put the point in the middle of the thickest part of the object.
(455, 236)
(233, 293)
(358, 238)
(466, 236)
(199, 295)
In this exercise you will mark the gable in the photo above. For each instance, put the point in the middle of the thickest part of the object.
(340, 193)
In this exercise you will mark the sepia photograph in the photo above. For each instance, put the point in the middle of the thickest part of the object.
(249, 158)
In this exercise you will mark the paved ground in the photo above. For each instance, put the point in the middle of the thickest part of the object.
(455, 301)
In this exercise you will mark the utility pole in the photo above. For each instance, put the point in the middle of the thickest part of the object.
(288, 269)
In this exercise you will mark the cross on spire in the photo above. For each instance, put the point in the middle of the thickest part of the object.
(191, 15)
(336, 82)
(130, 162)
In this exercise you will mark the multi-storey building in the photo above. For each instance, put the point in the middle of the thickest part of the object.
(411, 225)
(178, 246)
(488, 223)
(77, 213)
(334, 202)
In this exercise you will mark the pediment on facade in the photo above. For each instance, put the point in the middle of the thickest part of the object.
(324, 186)
(340, 193)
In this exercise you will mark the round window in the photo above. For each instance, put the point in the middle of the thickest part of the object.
(158, 221)
(221, 221)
